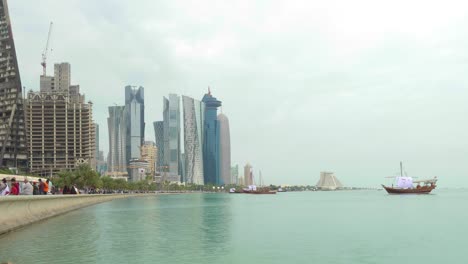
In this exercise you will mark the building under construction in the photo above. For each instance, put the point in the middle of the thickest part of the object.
(12, 128)
(60, 129)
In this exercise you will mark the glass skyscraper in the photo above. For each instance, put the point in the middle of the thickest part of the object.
(159, 134)
(211, 155)
(117, 159)
(135, 107)
(172, 151)
(193, 128)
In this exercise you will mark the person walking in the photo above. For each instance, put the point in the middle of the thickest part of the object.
(14, 187)
(66, 190)
(3, 185)
(74, 190)
(46, 187)
(27, 188)
(50, 187)
(4, 188)
(41, 187)
(35, 189)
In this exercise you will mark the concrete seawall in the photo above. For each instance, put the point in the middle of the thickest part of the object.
(19, 211)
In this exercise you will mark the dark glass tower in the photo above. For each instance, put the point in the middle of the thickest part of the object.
(135, 107)
(12, 126)
(211, 155)
(172, 148)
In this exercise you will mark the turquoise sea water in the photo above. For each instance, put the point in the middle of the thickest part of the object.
(305, 227)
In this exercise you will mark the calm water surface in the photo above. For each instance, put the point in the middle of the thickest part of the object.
(307, 227)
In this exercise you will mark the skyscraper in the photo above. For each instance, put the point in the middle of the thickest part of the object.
(101, 166)
(135, 107)
(235, 174)
(248, 177)
(117, 159)
(60, 131)
(149, 153)
(159, 134)
(172, 151)
(211, 155)
(96, 133)
(12, 126)
(224, 149)
(193, 127)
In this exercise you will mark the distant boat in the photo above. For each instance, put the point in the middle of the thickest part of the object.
(252, 189)
(405, 185)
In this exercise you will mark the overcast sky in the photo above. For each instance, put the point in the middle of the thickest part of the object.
(346, 86)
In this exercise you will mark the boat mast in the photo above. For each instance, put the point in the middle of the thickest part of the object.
(261, 179)
(401, 169)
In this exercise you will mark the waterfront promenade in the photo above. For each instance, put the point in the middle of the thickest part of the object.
(19, 211)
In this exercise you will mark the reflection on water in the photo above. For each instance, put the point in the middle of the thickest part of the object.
(216, 223)
(309, 227)
(68, 237)
(174, 229)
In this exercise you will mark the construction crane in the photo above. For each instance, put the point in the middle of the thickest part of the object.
(46, 50)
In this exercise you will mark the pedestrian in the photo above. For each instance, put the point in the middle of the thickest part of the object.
(35, 189)
(41, 187)
(4, 188)
(46, 188)
(3, 185)
(66, 190)
(49, 187)
(14, 187)
(73, 190)
(27, 188)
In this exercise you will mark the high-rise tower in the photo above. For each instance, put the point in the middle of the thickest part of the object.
(224, 149)
(149, 154)
(193, 127)
(248, 177)
(135, 107)
(172, 151)
(60, 131)
(211, 155)
(159, 134)
(117, 158)
(12, 126)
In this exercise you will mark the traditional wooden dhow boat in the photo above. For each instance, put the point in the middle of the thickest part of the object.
(234, 190)
(260, 191)
(405, 185)
(252, 189)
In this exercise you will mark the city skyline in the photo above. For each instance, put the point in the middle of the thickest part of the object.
(355, 97)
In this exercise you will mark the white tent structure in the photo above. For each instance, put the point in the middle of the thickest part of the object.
(328, 182)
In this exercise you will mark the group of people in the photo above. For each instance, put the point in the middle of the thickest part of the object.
(26, 188)
(70, 190)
